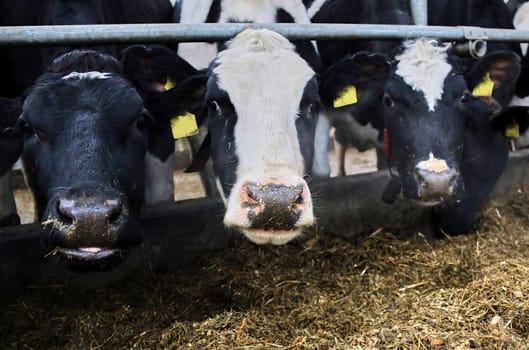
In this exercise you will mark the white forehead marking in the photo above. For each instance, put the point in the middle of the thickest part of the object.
(424, 67)
(87, 75)
(265, 79)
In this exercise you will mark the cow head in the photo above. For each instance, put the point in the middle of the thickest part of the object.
(423, 111)
(261, 98)
(85, 139)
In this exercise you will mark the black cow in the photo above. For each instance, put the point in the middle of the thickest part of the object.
(444, 128)
(19, 67)
(85, 136)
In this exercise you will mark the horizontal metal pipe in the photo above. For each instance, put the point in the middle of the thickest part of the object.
(419, 10)
(172, 32)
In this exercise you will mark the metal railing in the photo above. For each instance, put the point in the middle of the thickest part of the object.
(172, 32)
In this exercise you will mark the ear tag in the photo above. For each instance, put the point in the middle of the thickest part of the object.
(484, 88)
(512, 130)
(184, 125)
(347, 97)
(169, 84)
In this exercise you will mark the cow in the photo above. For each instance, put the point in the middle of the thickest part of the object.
(356, 132)
(486, 13)
(259, 98)
(85, 134)
(20, 66)
(241, 11)
(445, 127)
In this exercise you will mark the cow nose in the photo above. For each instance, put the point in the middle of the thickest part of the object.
(273, 206)
(436, 185)
(100, 212)
(88, 222)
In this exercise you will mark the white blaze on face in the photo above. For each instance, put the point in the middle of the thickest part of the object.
(265, 79)
(87, 75)
(424, 67)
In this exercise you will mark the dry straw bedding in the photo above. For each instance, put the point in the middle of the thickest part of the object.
(320, 293)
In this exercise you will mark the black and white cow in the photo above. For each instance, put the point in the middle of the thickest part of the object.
(85, 136)
(200, 55)
(259, 97)
(486, 13)
(356, 132)
(444, 127)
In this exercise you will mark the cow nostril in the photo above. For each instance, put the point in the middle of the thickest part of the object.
(251, 194)
(64, 209)
(114, 210)
(300, 199)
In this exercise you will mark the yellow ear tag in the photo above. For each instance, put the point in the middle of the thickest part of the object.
(169, 84)
(184, 125)
(484, 88)
(512, 130)
(347, 97)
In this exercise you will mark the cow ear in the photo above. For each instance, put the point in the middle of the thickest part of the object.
(495, 75)
(512, 121)
(354, 83)
(154, 68)
(177, 113)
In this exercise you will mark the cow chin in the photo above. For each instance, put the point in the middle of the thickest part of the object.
(274, 237)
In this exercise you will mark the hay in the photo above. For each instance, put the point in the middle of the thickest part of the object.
(321, 293)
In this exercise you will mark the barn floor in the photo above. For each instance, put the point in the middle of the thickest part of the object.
(320, 293)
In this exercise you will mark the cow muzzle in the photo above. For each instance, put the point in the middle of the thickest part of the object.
(437, 181)
(272, 211)
(89, 229)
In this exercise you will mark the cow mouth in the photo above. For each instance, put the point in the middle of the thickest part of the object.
(87, 253)
(274, 237)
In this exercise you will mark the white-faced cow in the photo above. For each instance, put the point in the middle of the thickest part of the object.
(85, 136)
(259, 97)
(445, 131)
(255, 11)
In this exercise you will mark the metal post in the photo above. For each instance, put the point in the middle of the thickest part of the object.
(419, 11)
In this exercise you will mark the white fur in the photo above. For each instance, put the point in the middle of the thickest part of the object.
(265, 79)
(521, 22)
(87, 75)
(315, 7)
(257, 11)
(424, 67)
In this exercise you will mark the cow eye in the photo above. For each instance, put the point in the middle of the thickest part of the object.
(388, 101)
(214, 106)
(465, 97)
(142, 119)
(26, 127)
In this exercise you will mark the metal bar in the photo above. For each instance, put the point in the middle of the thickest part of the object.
(419, 11)
(142, 33)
